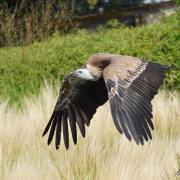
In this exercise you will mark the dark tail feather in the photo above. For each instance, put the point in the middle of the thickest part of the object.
(65, 130)
(58, 130)
(166, 67)
(72, 122)
(52, 130)
(79, 120)
(49, 124)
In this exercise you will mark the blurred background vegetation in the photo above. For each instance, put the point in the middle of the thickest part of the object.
(26, 21)
(39, 41)
(77, 6)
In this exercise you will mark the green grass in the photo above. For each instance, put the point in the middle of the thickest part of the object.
(23, 69)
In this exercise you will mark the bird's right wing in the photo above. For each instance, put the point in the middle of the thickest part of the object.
(77, 103)
(132, 84)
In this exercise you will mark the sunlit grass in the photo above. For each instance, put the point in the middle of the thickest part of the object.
(103, 154)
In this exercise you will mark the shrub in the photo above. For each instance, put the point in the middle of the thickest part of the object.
(36, 22)
(23, 69)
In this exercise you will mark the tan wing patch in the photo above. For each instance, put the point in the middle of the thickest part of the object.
(121, 66)
(127, 76)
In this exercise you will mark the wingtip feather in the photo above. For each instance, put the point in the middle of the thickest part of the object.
(57, 147)
(48, 124)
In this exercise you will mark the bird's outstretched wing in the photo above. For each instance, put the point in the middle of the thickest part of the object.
(132, 84)
(77, 103)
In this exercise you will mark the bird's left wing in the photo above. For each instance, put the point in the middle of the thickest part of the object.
(77, 103)
(132, 84)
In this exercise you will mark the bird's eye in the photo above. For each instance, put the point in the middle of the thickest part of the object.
(80, 71)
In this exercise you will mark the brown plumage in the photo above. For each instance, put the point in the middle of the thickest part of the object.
(128, 82)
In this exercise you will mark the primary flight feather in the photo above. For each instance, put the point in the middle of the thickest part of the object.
(127, 82)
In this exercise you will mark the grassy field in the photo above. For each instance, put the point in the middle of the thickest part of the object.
(103, 154)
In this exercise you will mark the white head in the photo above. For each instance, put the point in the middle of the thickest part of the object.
(85, 74)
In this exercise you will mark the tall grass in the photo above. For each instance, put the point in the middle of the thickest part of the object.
(103, 154)
(35, 22)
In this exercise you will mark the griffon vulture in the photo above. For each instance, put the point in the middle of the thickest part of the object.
(127, 82)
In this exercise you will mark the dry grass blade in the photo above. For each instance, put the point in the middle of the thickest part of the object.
(103, 154)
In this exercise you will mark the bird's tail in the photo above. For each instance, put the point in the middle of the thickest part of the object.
(167, 67)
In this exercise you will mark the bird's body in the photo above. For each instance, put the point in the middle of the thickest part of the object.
(128, 82)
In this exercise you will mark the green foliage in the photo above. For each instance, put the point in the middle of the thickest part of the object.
(114, 23)
(23, 69)
(177, 2)
(92, 3)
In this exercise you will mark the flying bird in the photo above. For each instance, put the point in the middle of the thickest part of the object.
(129, 83)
